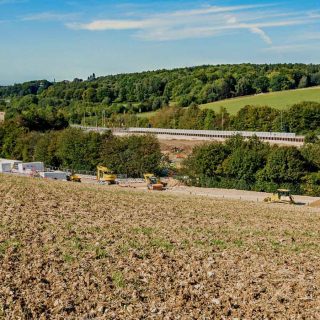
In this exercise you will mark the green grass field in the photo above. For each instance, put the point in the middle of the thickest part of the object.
(147, 114)
(279, 100)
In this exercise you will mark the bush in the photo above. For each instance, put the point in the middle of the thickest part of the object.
(132, 155)
(311, 184)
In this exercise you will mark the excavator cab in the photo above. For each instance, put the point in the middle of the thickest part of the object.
(105, 175)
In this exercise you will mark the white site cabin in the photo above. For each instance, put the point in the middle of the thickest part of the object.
(7, 165)
(30, 166)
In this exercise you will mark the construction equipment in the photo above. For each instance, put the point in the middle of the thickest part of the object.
(73, 177)
(105, 175)
(154, 183)
(281, 196)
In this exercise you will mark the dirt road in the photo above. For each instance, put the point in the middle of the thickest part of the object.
(230, 194)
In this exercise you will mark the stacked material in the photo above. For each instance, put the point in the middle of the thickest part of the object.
(55, 175)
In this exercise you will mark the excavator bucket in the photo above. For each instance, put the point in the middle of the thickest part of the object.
(157, 187)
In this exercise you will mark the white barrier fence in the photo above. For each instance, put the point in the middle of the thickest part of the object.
(213, 134)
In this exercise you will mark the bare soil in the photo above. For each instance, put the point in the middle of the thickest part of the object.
(315, 204)
(82, 251)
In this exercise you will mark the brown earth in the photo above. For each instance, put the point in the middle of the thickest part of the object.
(185, 146)
(178, 150)
(72, 251)
(315, 204)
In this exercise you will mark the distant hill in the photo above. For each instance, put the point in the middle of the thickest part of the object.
(135, 93)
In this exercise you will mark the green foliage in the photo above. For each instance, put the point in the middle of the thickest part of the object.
(311, 152)
(252, 165)
(243, 164)
(255, 118)
(46, 149)
(303, 117)
(132, 155)
(311, 137)
(245, 159)
(311, 184)
(284, 165)
(42, 120)
(206, 160)
(300, 118)
(149, 91)
(78, 150)
(10, 133)
(279, 82)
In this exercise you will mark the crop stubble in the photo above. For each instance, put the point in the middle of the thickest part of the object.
(70, 251)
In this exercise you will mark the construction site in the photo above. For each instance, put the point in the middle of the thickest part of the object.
(150, 182)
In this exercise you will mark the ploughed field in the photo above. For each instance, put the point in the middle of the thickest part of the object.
(72, 251)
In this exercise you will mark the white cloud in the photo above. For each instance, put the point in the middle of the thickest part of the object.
(262, 34)
(252, 28)
(202, 22)
(215, 9)
(101, 25)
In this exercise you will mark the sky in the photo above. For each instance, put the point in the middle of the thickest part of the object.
(62, 40)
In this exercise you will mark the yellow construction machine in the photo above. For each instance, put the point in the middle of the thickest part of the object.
(154, 183)
(105, 175)
(73, 177)
(281, 196)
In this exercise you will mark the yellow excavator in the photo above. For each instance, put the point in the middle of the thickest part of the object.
(154, 183)
(73, 177)
(281, 196)
(105, 175)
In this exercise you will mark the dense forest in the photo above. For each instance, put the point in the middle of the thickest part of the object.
(105, 97)
(80, 151)
(302, 118)
(254, 165)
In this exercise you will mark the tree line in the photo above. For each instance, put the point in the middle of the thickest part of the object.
(301, 118)
(77, 150)
(238, 163)
(146, 91)
(255, 165)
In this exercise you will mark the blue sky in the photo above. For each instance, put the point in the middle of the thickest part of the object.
(55, 39)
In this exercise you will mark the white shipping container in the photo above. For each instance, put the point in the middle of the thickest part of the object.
(55, 175)
(10, 161)
(5, 167)
(30, 166)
